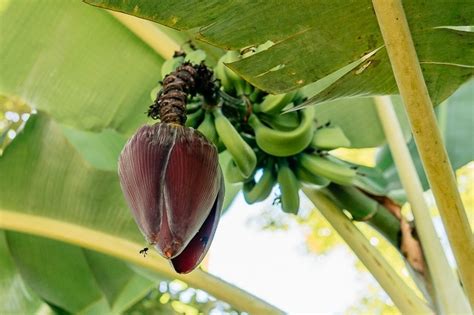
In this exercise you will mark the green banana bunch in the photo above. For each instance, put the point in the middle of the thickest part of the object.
(289, 186)
(170, 65)
(273, 104)
(331, 168)
(284, 143)
(241, 152)
(285, 122)
(194, 119)
(260, 190)
(208, 129)
(308, 178)
(230, 81)
(331, 137)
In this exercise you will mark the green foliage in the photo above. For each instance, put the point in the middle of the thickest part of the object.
(76, 63)
(309, 46)
(73, 279)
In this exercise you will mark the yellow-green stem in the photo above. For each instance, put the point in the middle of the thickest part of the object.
(149, 33)
(450, 297)
(127, 250)
(412, 87)
(403, 297)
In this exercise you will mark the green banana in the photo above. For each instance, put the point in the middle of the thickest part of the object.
(192, 107)
(233, 173)
(359, 205)
(241, 152)
(196, 56)
(230, 81)
(309, 178)
(170, 65)
(289, 186)
(329, 138)
(220, 145)
(208, 129)
(284, 143)
(260, 190)
(256, 96)
(248, 88)
(285, 122)
(273, 104)
(194, 119)
(334, 170)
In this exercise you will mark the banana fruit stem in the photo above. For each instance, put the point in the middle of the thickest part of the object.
(407, 71)
(403, 297)
(449, 294)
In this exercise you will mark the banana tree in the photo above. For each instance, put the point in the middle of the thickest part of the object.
(291, 88)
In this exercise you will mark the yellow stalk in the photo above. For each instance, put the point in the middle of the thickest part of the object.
(127, 250)
(401, 51)
(149, 33)
(450, 297)
(403, 297)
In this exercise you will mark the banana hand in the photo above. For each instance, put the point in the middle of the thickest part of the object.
(241, 152)
(284, 143)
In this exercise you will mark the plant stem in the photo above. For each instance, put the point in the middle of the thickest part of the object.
(403, 297)
(407, 71)
(450, 297)
(149, 33)
(128, 250)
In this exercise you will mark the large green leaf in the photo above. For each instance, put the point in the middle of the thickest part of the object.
(316, 38)
(54, 190)
(121, 285)
(76, 280)
(456, 120)
(79, 64)
(16, 297)
(58, 273)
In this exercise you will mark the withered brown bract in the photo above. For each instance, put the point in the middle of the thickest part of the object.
(172, 181)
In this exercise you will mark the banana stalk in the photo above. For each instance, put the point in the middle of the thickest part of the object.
(407, 71)
(449, 294)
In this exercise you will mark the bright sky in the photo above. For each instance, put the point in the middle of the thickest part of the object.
(275, 266)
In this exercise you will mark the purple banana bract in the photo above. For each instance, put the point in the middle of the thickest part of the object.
(173, 184)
